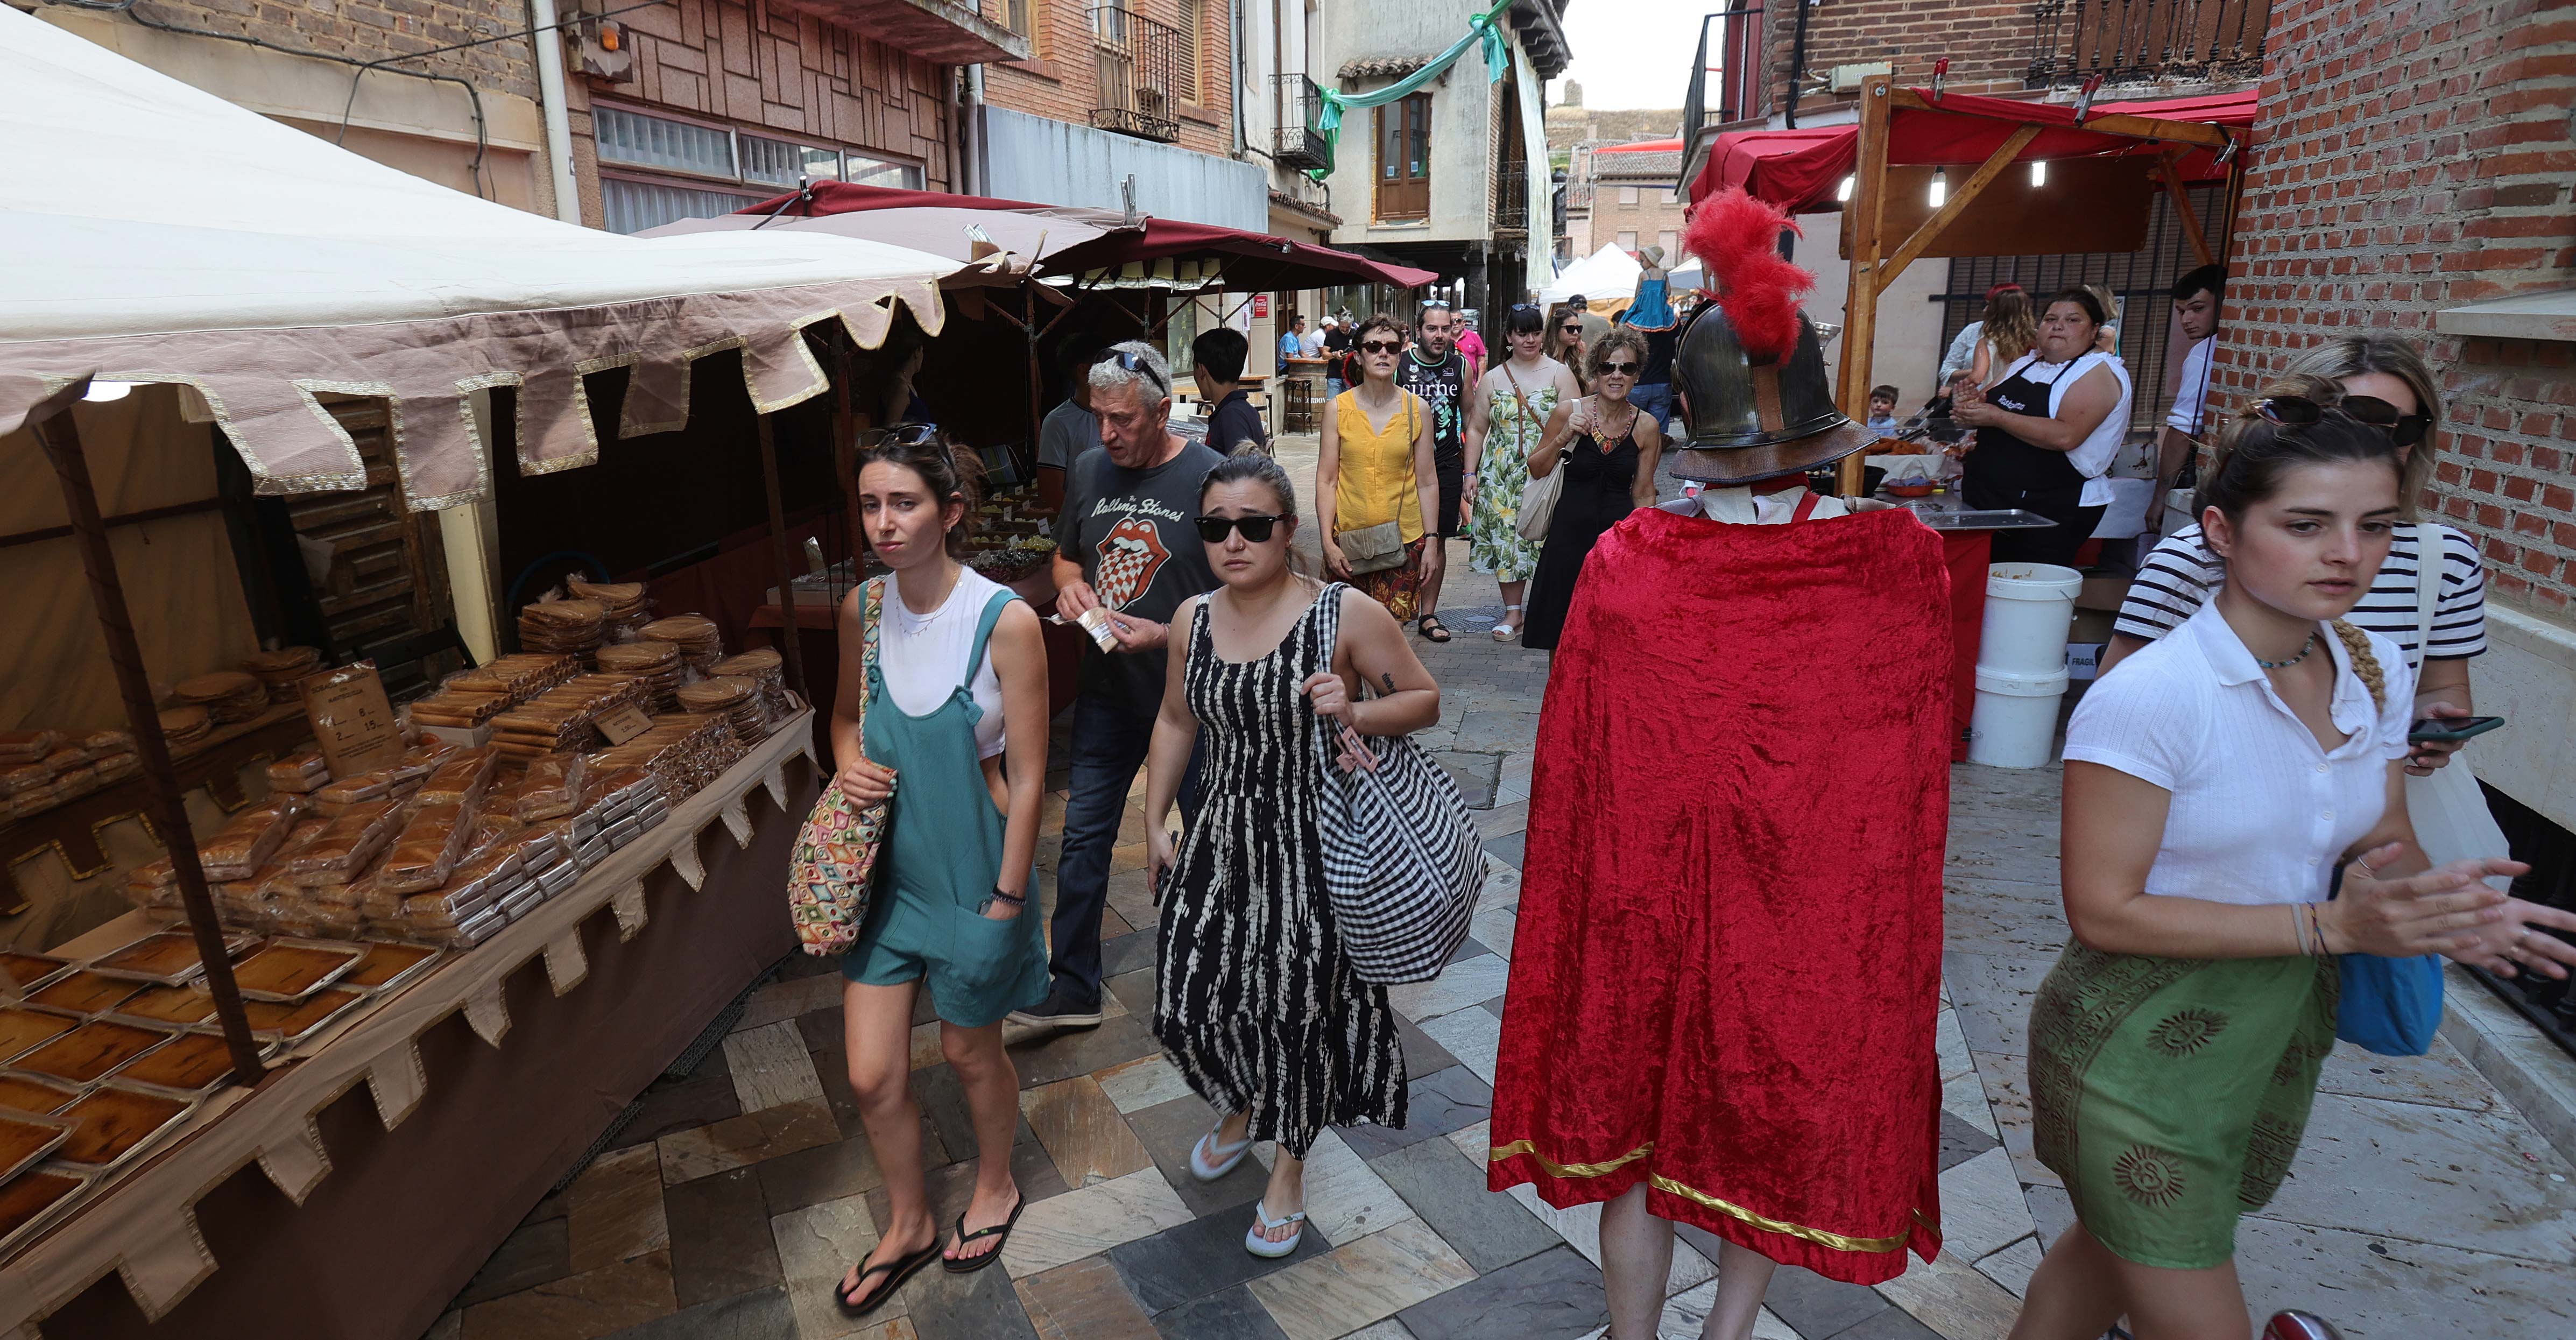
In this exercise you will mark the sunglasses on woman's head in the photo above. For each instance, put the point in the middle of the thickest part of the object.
(1619, 369)
(908, 434)
(2298, 411)
(1256, 529)
(1381, 346)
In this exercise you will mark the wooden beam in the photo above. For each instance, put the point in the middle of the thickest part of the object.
(2109, 123)
(1860, 311)
(2182, 207)
(793, 655)
(1961, 196)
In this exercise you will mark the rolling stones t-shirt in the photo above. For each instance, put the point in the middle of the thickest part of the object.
(1133, 533)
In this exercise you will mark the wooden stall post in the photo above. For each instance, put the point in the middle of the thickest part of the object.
(795, 656)
(1860, 312)
(845, 460)
(61, 440)
(1037, 380)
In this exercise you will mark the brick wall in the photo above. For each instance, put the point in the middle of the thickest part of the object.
(369, 29)
(1062, 82)
(1988, 43)
(2415, 155)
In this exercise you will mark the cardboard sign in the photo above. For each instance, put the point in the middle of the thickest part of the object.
(622, 723)
(352, 720)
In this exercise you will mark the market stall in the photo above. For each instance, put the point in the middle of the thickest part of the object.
(1925, 174)
(351, 893)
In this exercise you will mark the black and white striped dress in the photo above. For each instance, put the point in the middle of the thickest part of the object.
(1255, 1003)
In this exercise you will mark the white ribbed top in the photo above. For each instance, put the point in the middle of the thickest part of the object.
(923, 656)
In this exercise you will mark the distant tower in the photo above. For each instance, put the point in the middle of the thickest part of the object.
(1573, 95)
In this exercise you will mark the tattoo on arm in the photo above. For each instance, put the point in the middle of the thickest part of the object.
(1389, 677)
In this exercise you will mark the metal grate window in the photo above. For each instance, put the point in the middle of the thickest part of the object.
(633, 206)
(653, 141)
(2139, 280)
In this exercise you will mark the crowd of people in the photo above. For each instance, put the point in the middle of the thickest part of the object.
(2236, 783)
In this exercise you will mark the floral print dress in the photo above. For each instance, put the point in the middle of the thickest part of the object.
(1502, 471)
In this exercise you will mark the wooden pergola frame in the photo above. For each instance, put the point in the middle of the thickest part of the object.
(1874, 269)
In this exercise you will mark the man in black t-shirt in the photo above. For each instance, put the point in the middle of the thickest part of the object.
(1434, 370)
(1234, 426)
(1337, 355)
(1126, 543)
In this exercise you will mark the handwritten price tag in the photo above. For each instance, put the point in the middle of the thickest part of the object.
(622, 723)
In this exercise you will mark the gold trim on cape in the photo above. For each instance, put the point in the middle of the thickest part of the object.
(1837, 1241)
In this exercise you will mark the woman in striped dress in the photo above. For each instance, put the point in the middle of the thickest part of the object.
(1255, 1001)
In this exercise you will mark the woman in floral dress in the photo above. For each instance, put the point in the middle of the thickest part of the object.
(1505, 419)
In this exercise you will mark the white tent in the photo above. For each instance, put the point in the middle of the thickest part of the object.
(1607, 279)
(156, 233)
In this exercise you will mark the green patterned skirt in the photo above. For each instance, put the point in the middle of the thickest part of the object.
(2171, 1094)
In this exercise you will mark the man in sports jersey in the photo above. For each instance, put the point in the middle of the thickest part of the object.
(1434, 370)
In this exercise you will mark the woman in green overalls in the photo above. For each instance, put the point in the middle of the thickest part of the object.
(953, 736)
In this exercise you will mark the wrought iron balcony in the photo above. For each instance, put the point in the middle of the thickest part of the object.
(1511, 198)
(2136, 41)
(1729, 79)
(1298, 103)
(1578, 196)
(1138, 62)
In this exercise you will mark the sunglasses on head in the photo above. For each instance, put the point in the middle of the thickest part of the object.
(1256, 529)
(1429, 303)
(2294, 411)
(1138, 364)
(1381, 346)
(1622, 368)
(908, 434)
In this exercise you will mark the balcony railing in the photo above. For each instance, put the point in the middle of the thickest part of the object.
(1138, 61)
(1511, 198)
(1730, 79)
(2135, 41)
(1299, 102)
(1579, 197)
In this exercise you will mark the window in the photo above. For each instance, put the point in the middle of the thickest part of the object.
(1672, 195)
(1627, 241)
(1193, 54)
(1671, 242)
(1627, 195)
(1404, 159)
(756, 167)
(1015, 16)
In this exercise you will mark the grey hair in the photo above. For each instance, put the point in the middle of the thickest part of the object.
(1154, 379)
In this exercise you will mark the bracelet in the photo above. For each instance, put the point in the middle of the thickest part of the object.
(1009, 897)
(2298, 929)
(2316, 929)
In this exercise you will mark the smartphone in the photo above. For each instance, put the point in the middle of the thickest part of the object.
(2449, 730)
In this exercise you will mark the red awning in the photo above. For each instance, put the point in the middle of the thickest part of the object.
(1641, 147)
(1800, 170)
(1248, 262)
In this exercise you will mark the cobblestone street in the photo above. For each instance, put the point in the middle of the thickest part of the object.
(2422, 1203)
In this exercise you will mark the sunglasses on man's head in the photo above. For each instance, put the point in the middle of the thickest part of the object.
(1138, 364)
(1256, 529)
(2295, 411)
(1622, 368)
(1381, 346)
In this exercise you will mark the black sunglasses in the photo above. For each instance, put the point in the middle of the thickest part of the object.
(2295, 411)
(1572, 328)
(907, 434)
(1622, 368)
(1256, 529)
(1381, 347)
(1138, 364)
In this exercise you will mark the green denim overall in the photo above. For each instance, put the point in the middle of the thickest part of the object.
(941, 861)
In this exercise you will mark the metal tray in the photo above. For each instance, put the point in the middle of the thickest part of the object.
(345, 947)
(159, 1135)
(12, 989)
(268, 1047)
(2007, 518)
(61, 1127)
(233, 945)
(69, 1092)
(70, 1022)
(405, 977)
(50, 1215)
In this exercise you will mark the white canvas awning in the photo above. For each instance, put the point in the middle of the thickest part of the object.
(1607, 279)
(156, 233)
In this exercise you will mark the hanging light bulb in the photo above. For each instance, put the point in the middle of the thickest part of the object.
(1843, 192)
(1940, 186)
(2039, 172)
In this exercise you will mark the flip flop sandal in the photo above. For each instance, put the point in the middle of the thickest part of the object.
(1260, 1246)
(967, 1265)
(1226, 1161)
(1432, 629)
(902, 1268)
(1505, 632)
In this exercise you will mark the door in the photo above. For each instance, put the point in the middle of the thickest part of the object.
(1404, 159)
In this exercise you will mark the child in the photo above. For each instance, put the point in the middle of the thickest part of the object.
(1882, 409)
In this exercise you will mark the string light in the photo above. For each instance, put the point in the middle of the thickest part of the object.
(1843, 192)
(1940, 186)
(2039, 172)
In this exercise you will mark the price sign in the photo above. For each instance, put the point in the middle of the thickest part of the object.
(352, 720)
(622, 723)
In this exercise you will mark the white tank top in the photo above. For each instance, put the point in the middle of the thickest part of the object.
(923, 656)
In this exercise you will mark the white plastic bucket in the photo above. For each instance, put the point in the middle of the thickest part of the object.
(2030, 608)
(2014, 723)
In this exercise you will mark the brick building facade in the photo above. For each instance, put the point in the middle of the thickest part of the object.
(1988, 43)
(1064, 78)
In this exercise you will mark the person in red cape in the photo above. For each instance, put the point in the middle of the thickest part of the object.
(1726, 969)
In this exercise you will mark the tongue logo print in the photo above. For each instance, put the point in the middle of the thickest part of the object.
(1129, 557)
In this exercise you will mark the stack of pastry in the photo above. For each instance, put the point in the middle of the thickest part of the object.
(185, 726)
(229, 695)
(701, 646)
(732, 697)
(560, 717)
(459, 708)
(280, 671)
(656, 663)
(765, 668)
(300, 772)
(623, 601)
(573, 627)
(516, 677)
(685, 750)
(41, 768)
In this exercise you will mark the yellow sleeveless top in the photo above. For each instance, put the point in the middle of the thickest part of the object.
(1377, 483)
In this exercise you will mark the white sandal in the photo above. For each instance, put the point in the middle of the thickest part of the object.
(1505, 631)
(1225, 1161)
(1260, 1246)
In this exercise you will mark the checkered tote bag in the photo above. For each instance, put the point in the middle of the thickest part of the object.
(834, 868)
(1402, 863)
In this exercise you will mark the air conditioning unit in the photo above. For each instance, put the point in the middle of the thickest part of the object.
(1846, 78)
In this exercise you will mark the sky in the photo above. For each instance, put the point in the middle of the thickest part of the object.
(1631, 53)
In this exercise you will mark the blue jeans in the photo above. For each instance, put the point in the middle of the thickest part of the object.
(1107, 746)
(1334, 386)
(1655, 402)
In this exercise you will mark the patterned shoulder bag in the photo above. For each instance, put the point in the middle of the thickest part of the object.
(833, 872)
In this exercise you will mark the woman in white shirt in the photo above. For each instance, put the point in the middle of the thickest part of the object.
(2213, 787)
(2046, 434)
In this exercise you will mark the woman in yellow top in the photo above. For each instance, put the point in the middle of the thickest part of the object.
(1374, 480)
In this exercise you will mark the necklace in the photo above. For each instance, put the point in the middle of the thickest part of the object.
(2304, 648)
(910, 623)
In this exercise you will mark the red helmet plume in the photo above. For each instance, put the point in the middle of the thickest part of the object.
(1738, 238)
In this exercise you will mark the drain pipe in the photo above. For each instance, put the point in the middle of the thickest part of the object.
(970, 133)
(550, 90)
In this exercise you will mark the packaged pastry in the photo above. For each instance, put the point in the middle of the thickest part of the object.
(341, 851)
(64, 760)
(26, 746)
(460, 781)
(250, 839)
(336, 797)
(303, 771)
(426, 849)
(551, 787)
(26, 777)
(460, 708)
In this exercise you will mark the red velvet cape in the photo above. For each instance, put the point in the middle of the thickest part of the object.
(1727, 968)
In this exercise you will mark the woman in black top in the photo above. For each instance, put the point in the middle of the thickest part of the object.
(2046, 434)
(1607, 448)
